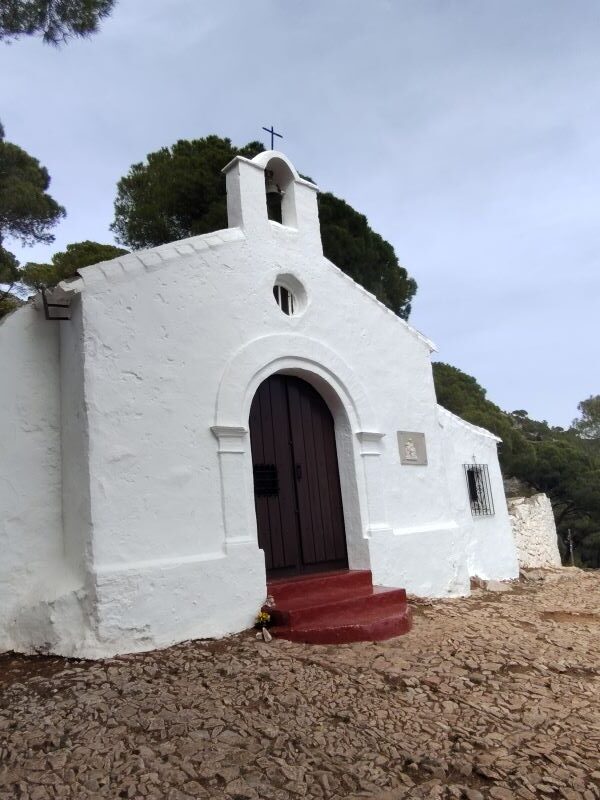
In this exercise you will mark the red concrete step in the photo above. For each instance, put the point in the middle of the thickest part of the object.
(336, 607)
(367, 626)
(284, 590)
(312, 608)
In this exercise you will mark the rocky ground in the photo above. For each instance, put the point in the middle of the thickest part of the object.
(496, 696)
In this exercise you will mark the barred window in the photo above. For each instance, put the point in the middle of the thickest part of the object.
(480, 490)
(284, 299)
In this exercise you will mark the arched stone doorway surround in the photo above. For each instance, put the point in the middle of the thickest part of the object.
(358, 437)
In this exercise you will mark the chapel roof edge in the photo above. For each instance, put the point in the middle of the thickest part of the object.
(468, 425)
(130, 265)
(410, 328)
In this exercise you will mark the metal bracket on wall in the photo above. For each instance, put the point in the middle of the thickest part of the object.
(48, 306)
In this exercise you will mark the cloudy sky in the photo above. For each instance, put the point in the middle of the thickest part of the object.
(466, 131)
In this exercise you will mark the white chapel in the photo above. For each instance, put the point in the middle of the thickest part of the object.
(220, 416)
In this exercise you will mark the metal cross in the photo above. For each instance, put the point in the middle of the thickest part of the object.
(273, 134)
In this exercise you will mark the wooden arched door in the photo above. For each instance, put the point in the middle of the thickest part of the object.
(296, 479)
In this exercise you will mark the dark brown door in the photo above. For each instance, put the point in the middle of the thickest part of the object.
(296, 480)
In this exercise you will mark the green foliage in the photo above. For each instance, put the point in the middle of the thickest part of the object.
(550, 459)
(180, 191)
(9, 303)
(364, 255)
(9, 268)
(589, 549)
(461, 394)
(66, 263)
(27, 211)
(588, 424)
(54, 20)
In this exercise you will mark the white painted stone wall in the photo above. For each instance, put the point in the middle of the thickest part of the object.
(490, 551)
(32, 568)
(159, 366)
(534, 529)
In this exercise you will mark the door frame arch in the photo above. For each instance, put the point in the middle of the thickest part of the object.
(359, 440)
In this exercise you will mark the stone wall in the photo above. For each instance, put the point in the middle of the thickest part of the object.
(31, 543)
(534, 530)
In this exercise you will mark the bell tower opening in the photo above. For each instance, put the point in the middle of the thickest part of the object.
(279, 190)
(274, 197)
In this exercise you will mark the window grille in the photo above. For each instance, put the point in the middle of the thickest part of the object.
(284, 299)
(266, 480)
(480, 490)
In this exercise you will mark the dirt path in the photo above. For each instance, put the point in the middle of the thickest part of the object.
(497, 696)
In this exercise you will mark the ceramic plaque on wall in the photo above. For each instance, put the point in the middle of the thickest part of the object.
(412, 448)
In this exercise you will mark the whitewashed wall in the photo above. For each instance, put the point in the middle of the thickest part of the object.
(489, 543)
(159, 367)
(31, 549)
(534, 530)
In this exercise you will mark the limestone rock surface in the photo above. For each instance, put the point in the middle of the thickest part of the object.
(534, 529)
(488, 698)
